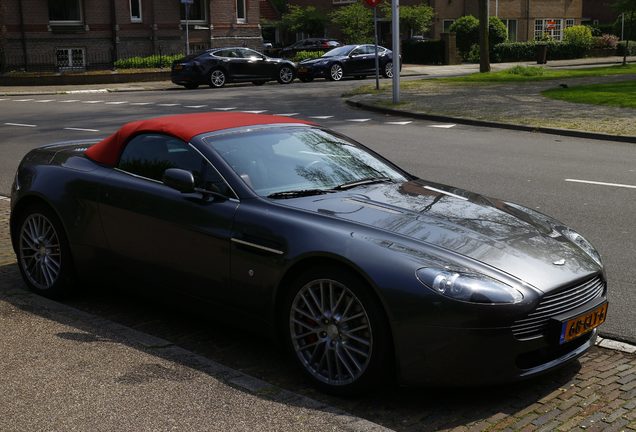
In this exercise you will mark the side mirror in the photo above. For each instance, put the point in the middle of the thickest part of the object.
(179, 179)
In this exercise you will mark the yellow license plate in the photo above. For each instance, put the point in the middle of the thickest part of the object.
(575, 327)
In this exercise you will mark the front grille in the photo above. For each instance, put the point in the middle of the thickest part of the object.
(536, 322)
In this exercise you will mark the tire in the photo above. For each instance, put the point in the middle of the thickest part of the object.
(387, 70)
(44, 255)
(306, 79)
(217, 78)
(335, 72)
(258, 83)
(344, 349)
(286, 75)
(191, 86)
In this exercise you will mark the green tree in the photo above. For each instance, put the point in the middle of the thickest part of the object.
(628, 8)
(414, 20)
(306, 19)
(355, 22)
(467, 29)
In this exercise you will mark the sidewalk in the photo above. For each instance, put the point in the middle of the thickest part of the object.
(65, 369)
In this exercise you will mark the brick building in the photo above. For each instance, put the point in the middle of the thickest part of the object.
(526, 19)
(62, 34)
(599, 11)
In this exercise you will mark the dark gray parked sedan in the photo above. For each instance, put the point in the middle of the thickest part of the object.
(362, 269)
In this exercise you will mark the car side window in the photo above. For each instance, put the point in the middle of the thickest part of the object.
(150, 155)
(357, 51)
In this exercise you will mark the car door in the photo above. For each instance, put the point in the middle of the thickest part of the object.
(234, 62)
(257, 65)
(167, 237)
(355, 62)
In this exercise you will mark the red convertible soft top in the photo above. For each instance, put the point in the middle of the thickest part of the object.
(182, 126)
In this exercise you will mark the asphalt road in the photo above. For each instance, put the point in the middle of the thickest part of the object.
(528, 168)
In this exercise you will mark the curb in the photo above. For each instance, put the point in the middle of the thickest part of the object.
(485, 123)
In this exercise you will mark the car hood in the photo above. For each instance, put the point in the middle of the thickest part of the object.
(508, 237)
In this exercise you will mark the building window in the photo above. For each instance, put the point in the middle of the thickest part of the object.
(65, 11)
(196, 14)
(511, 25)
(446, 25)
(70, 58)
(549, 27)
(135, 10)
(240, 11)
(569, 22)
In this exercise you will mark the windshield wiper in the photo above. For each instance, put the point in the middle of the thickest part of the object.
(364, 181)
(299, 193)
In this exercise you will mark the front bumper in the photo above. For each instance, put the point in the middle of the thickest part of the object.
(184, 76)
(312, 71)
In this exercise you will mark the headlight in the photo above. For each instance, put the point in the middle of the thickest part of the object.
(582, 243)
(468, 287)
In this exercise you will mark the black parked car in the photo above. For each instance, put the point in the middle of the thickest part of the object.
(347, 60)
(362, 269)
(215, 67)
(311, 44)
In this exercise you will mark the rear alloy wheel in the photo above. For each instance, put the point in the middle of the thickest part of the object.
(217, 78)
(388, 70)
(285, 75)
(44, 256)
(335, 72)
(337, 331)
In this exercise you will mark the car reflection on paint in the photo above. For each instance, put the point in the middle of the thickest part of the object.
(364, 271)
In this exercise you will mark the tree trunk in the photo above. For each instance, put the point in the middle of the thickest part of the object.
(484, 46)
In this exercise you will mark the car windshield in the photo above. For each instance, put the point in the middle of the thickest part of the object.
(340, 51)
(282, 161)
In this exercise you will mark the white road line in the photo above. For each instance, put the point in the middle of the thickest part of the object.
(142, 103)
(81, 129)
(224, 109)
(92, 102)
(443, 126)
(358, 120)
(321, 117)
(288, 114)
(402, 123)
(45, 100)
(602, 183)
(88, 91)
(21, 125)
(255, 111)
(3, 99)
(4, 198)
(116, 103)
(167, 105)
(195, 106)
(69, 100)
(22, 100)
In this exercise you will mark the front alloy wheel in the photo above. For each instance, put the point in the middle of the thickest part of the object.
(337, 332)
(285, 75)
(217, 78)
(43, 254)
(388, 70)
(335, 72)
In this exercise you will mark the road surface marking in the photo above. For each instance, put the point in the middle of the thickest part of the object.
(69, 100)
(88, 91)
(92, 102)
(81, 129)
(288, 114)
(194, 106)
(443, 126)
(45, 100)
(167, 105)
(255, 112)
(3, 99)
(141, 103)
(601, 183)
(224, 109)
(321, 117)
(21, 125)
(402, 123)
(116, 103)
(22, 100)
(4, 198)
(359, 120)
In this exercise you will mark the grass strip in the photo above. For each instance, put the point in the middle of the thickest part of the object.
(620, 94)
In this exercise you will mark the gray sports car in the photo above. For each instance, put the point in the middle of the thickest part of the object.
(362, 269)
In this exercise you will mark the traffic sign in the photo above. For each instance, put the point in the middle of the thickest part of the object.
(373, 3)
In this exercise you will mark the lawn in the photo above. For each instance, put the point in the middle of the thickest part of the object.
(538, 73)
(620, 94)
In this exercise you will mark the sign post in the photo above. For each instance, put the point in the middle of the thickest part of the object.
(374, 4)
(186, 4)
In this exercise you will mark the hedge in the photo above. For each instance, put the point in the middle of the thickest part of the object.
(423, 52)
(524, 51)
(153, 61)
(620, 49)
(305, 55)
